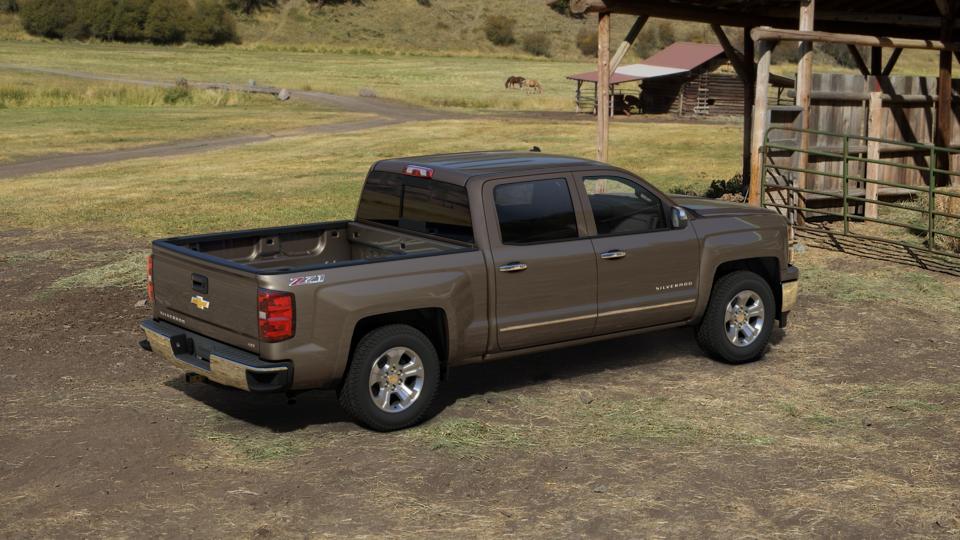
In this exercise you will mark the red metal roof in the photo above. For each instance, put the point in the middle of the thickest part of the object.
(684, 55)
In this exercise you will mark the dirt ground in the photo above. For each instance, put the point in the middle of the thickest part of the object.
(848, 428)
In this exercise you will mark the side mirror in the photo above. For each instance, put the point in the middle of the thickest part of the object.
(679, 218)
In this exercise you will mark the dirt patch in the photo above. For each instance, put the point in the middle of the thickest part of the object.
(846, 428)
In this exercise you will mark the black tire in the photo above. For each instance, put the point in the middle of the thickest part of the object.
(712, 330)
(355, 392)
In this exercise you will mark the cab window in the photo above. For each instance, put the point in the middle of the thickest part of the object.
(535, 211)
(621, 206)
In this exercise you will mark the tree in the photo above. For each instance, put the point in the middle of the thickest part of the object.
(499, 29)
(47, 18)
(98, 16)
(167, 21)
(249, 6)
(587, 41)
(129, 19)
(537, 43)
(9, 6)
(211, 24)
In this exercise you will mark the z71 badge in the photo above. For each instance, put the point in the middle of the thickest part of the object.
(307, 280)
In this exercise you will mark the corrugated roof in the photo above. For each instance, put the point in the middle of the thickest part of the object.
(647, 71)
(685, 56)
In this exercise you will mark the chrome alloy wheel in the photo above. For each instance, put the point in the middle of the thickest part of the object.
(743, 320)
(396, 379)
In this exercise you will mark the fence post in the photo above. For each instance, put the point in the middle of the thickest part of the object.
(846, 187)
(931, 206)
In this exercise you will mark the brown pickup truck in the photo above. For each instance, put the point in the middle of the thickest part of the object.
(463, 258)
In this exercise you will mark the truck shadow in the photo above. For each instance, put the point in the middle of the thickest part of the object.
(277, 413)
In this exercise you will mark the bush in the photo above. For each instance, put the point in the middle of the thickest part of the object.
(9, 6)
(563, 7)
(719, 188)
(180, 91)
(655, 36)
(47, 18)
(129, 19)
(537, 43)
(499, 30)
(249, 6)
(96, 17)
(211, 24)
(167, 21)
(587, 41)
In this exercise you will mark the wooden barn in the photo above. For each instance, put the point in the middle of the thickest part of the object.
(686, 79)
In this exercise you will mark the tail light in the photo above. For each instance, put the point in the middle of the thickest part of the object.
(277, 315)
(150, 294)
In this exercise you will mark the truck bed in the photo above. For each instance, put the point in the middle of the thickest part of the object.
(301, 247)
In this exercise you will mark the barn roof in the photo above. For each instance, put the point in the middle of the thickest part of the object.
(685, 56)
(677, 58)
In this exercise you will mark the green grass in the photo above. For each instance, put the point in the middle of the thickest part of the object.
(314, 178)
(45, 114)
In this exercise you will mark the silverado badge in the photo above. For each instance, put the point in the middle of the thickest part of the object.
(200, 302)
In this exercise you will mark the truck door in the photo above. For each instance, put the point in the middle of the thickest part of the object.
(545, 267)
(647, 271)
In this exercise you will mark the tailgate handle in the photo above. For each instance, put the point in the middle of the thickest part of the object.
(199, 283)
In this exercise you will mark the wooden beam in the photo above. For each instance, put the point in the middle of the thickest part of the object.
(876, 61)
(944, 135)
(761, 88)
(627, 42)
(874, 130)
(750, 69)
(858, 59)
(804, 87)
(892, 61)
(603, 84)
(667, 10)
(733, 55)
(854, 39)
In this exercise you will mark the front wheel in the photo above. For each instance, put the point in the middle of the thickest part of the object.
(392, 379)
(739, 318)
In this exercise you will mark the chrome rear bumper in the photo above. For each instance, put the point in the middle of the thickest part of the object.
(218, 362)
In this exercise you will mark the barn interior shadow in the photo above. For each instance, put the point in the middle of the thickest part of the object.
(275, 412)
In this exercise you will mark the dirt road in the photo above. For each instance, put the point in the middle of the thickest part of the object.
(848, 428)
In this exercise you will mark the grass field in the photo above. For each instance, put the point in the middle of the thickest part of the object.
(44, 114)
(318, 177)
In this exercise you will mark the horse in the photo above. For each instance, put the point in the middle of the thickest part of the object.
(514, 82)
(533, 86)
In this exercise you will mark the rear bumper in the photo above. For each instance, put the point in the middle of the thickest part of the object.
(218, 362)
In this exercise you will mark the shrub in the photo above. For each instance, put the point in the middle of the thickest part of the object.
(537, 43)
(249, 6)
(211, 24)
(9, 6)
(499, 29)
(424, 3)
(655, 36)
(129, 19)
(719, 188)
(180, 91)
(47, 18)
(97, 17)
(587, 41)
(563, 7)
(167, 21)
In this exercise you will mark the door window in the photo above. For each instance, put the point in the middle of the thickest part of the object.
(621, 206)
(535, 211)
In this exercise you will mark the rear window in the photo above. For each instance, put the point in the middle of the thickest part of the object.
(533, 212)
(417, 205)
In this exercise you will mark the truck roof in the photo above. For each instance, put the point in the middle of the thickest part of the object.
(460, 167)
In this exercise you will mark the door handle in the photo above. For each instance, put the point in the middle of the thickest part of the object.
(512, 267)
(613, 254)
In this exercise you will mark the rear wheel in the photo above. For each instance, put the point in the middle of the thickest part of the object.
(739, 318)
(392, 380)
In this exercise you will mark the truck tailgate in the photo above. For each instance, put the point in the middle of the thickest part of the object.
(209, 299)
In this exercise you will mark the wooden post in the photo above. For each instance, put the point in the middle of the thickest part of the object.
(579, 92)
(603, 84)
(874, 130)
(759, 122)
(750, 70)
(944, 98)
(627, 42)
(804, 86)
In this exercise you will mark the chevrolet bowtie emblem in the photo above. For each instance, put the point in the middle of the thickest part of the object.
(200, 302)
